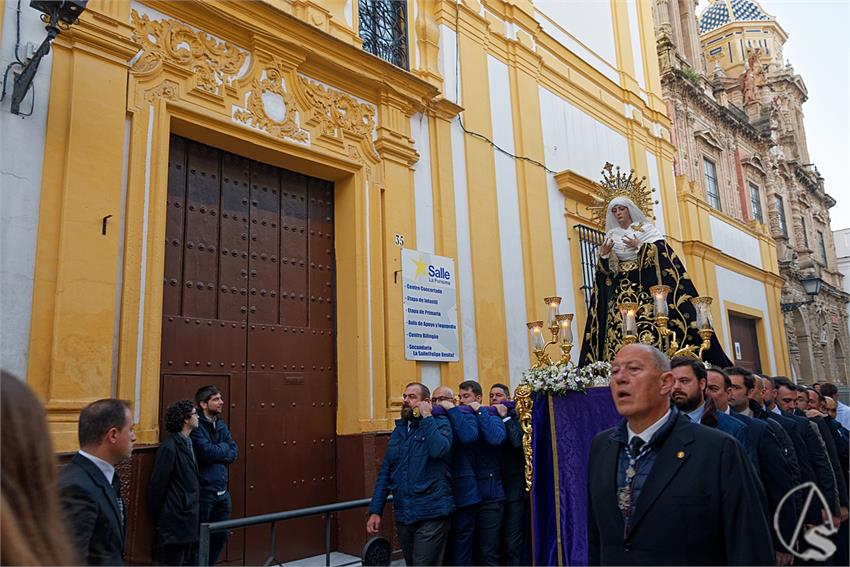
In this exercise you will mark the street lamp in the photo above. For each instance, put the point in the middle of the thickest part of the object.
(58, 14)
(811, 285)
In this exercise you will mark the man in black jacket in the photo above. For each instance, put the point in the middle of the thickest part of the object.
(515, 519)
(663, 490)
(824, 477)
(89, 487)
(173, 492)
(214, 451)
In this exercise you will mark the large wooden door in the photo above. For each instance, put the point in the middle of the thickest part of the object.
(249, 306)
(745, 344)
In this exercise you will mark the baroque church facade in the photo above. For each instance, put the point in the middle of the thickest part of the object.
(737, 112)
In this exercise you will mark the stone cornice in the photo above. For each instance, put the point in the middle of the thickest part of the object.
(675, 81)
(326, 57)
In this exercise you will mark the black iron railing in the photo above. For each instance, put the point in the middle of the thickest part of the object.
(325, 510)
(589, 240)
(383, 29)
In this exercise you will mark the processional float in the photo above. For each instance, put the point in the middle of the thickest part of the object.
(562, 406)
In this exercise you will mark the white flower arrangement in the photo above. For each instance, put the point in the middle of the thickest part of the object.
(560, 379)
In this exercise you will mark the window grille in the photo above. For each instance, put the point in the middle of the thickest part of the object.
(383, 29)
(589, 240)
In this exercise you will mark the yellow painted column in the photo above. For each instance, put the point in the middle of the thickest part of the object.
(398, 217)
(76, 267)
(483, 208)
(623, 45)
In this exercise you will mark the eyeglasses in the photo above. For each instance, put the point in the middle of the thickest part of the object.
(441, 399)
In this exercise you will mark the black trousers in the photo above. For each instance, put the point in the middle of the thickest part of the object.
(515, 533)
(213, 508)
(424, 543)
(462, 537)
(173, 554)
(488, 524)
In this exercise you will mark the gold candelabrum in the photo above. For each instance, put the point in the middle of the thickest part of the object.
(560, 326)
(669, 339)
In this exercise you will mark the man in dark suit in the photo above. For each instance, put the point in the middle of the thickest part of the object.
(89, 487)
(173, 489)
(663, 490)
(824, 476)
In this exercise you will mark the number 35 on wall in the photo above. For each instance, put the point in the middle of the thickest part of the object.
(399, 240)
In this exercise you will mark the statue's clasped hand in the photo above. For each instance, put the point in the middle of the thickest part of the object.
(633, 242)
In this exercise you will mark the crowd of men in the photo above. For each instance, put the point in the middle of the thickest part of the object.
(707, 467)
(456, 471)
(729, 473)
(188, 485)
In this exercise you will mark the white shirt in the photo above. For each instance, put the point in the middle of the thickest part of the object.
(842, 414)
(107, 469)
(726, 411)
(747, 412)
(647, 433)
(775, 409)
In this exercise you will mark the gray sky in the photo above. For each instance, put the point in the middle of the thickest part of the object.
(818, 47)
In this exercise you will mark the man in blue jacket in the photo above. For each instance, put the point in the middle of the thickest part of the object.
(464, 484)
(485, 454)
(417, 471)
(214, 451)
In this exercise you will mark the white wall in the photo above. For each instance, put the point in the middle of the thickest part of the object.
(735, 242)
(449, 65)
(589, 21)
(466, 295)
(736, 288)
(510, 235)
(653, 181)
(21, 163)
(423, 197)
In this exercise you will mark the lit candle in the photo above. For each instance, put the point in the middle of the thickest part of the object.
(535, 329)
(659, 296)
(628, 311)
(566, 323)
(552, 304)
(703, 308)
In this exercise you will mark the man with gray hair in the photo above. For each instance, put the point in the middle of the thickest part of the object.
(663, 489)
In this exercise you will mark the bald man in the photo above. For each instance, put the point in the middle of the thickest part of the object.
(663, 489)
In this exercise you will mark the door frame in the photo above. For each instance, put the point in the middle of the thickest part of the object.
(768, 365)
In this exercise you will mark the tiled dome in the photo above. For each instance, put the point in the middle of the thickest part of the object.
(722, 12)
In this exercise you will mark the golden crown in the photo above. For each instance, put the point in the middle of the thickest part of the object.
(617, 184)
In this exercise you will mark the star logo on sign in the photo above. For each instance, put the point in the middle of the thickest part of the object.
(421, 267)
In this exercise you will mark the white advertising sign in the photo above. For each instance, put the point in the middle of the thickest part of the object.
(430, 307)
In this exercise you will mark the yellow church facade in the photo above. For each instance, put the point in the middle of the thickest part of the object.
(484, 151)
(500, 190)
(480, 140)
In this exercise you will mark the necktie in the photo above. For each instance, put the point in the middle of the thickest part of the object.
(635, 446)
(116, 486)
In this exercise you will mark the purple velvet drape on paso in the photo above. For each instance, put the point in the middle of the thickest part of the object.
(577, 419)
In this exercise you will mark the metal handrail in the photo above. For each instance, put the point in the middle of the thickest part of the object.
(325, 510)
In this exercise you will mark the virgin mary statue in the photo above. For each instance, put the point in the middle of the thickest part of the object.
(633, 264)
